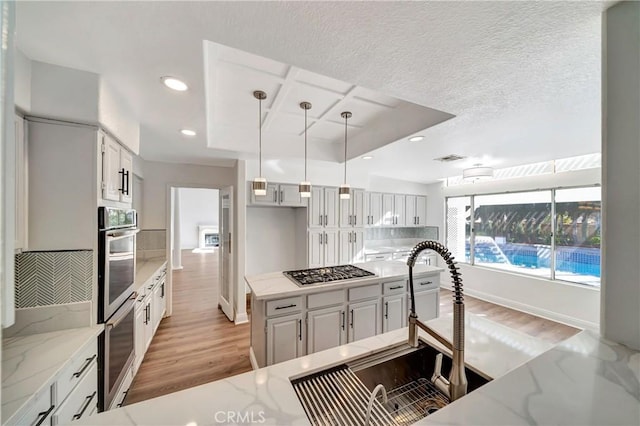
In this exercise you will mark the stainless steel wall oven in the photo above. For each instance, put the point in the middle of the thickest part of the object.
(116, 298)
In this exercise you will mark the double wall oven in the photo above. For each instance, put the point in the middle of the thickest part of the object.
(117, 229)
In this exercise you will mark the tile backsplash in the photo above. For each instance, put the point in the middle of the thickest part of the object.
(46, 278)
(426, 232)
(152, 239)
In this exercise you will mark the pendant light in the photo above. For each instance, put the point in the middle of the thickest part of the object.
(305, 186)
(345, 189)
(259, 184)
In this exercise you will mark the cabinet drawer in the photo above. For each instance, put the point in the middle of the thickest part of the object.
(426, 283)
(394, 287)
(328, 298)
(75, 371)
(365, 292)
(121, 396)
(39, 410)
(381, 256)
(284, 306)
(82, 400)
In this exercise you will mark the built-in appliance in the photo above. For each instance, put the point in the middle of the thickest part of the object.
(117, 229)
(327, 274)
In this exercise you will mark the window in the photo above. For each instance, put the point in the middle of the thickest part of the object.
(513, 232)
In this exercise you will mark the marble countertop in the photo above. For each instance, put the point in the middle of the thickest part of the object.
(29, 363)
(275, 285)
(146, 268)
(267, 393)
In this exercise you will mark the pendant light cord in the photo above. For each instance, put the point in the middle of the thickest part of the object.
(305, 145)
(345, 149)
(260, 135)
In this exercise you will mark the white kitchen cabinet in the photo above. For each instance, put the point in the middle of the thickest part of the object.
(20, 235)
(351, 246)
(139, 329)
(399, 207)
(326, 328)
(388, 212)
(363, 319)
(323, 210)
(279, 194)
(415, 210)
(316, 249)
(158, 305)
(352, 210)
(324, 248)
(117, 171)
(427, 304)
(284, 338)
(373, 209)
(331, 249)
(394, 314)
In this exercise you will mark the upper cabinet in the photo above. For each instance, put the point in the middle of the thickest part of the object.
(323, 207)
(279, 194)
(117, 171)
(373, 209)
(352, 210)
(416, 210)
(393, 210)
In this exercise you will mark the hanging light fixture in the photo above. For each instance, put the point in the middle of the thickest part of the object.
(477, 172)
(345, 189)
(259, 184)
(305, 186)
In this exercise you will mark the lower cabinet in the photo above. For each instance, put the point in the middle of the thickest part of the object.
(149, 311)
(394, 313)
(139, 331)
(284, 338)
(81, 402)
(427, 304)
(363, 320)
(323, 248)
(326, 328)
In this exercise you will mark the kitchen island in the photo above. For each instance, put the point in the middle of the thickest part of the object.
(290, 319)
(584, 380)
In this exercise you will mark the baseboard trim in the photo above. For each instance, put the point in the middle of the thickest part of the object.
(242, 318)
(176, 268)
(533, 310)
(252, 359)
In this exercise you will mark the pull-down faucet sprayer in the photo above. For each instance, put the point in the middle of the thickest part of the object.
(456, 386)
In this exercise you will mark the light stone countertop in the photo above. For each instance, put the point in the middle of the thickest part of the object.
(275, 285)
(29, 363)
(146, 268)
(267, 393)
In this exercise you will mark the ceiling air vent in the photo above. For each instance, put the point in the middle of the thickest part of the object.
(449, 158)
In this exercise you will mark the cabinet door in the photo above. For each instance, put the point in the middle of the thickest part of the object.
(388, 217)
(357, 208)
(427, 304)
(410, 217)
(148, 324)
(290, 196)
(139, 337)
(398, 205)
(316, 208)
(345, 254)
(316, 249)
(157, 306)
(331, 248)
(20, 236)
(344, 208)
(270, 199)
(421, 210)
(357, 245)
(326, 329)
(284, 338)
(112, 178)
(366, 206)
(394, 314)
(126, 164)
(331, 209)
(375, 209)
(363, 320)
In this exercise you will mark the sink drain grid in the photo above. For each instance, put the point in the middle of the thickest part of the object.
(415, 400)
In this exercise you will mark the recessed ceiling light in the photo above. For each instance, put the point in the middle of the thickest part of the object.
(416, 138)
(174, 84)
(367, 157)
(188, 132)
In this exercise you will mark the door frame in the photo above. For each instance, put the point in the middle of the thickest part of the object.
(227, 306)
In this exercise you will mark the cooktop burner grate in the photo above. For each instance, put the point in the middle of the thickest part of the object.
(327, 274)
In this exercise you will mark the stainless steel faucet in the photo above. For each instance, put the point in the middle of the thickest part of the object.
(456, 386)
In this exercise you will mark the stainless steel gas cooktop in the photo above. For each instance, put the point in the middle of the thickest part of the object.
(327, 274)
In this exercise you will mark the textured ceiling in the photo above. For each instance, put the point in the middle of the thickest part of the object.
(522, 78)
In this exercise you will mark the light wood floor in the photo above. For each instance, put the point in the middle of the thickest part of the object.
(197, 344)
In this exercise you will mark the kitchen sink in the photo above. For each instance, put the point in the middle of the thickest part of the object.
(340, 395)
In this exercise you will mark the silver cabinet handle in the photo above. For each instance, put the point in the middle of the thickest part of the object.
(355, 237)
(321, 220)
(349, 237)
(326, 238)
(281, 196)
(326, 220)
(386, 310)
(85, 366)
(275, 196)
(88, 400)
(355, 220)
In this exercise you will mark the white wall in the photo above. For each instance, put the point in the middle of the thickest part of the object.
(22, 86)
(621, 158)
(568, 303)
(158, 176)
(198, 206)
(272, 239)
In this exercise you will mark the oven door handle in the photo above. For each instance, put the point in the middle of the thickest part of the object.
(125, 308)
(119, 233)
